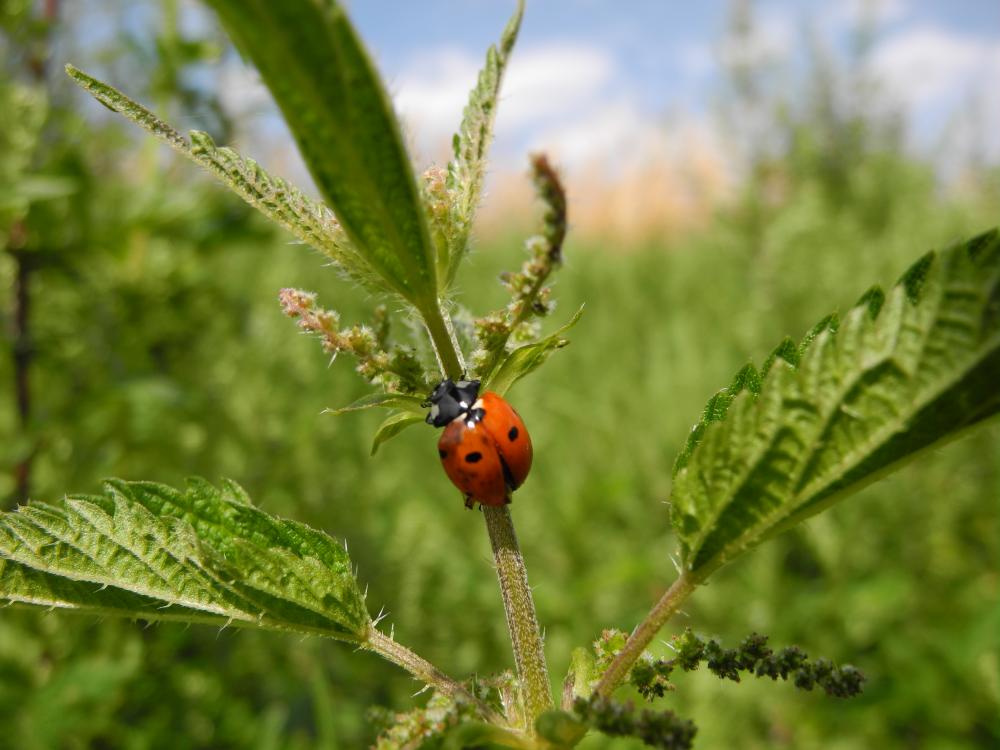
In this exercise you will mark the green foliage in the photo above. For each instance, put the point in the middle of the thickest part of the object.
(147, 551)
(465, 172)
(26, 109)
(323, 81)
(215, 385)
(843, 408)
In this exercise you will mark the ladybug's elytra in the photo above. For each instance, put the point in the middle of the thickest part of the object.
(485, 448)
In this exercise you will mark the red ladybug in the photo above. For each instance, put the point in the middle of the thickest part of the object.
(485, 448)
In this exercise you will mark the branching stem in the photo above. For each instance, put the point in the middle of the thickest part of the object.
(426, 672)
(641, 637)
(529, 654)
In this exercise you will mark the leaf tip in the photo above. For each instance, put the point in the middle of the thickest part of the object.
(915, 276)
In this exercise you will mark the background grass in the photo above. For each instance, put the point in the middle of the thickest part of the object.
(161, 353)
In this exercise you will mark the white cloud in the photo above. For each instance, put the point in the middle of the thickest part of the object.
(771, 37)
(849, 14)
(613, 128)
(554, 80)
(936, 75)
(241, 90)
(557, 81)
(925, 63)
(695, 59)
(431, 95)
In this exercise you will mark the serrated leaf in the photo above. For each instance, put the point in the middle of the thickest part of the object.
(525, 359)
(21, 585)
(899, 373)
(470, 144)
(148, 551)
(392, 426)
(322, 79)
(404, 401)
(307, 219)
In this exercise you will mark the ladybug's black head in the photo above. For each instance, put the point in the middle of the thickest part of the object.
(450, 400)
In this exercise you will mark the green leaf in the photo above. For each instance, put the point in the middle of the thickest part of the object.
(311, 59)
(901, 372)
(148, 551)
(22, 585)
(407, 402)
(392, 426)
(477, 734)
(308, 220)
(560, 728)
(470, 144)
(526, 359)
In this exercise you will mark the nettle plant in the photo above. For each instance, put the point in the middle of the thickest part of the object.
(862, 393)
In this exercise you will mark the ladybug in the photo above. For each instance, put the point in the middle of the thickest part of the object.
(485, 448)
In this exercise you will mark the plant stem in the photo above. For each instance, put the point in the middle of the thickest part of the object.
(426, 672)
(446, 348)
(645, 632)
(22, 352)
(529, 654)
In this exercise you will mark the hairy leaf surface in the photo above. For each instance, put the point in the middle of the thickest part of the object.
(470, 144)
(148, 551)
(308, 220)
(901, 372)
(322, 79)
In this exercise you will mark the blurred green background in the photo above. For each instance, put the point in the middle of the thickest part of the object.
(155, 349)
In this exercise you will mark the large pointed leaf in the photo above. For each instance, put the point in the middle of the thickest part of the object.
(900, 373)
(470, 144)
(311, 59)
(148, 551)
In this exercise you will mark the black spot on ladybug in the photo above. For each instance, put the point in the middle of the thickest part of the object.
(473, 457)
(443, 453)
(512, 435)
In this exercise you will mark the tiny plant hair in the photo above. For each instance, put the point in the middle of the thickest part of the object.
(859, 395)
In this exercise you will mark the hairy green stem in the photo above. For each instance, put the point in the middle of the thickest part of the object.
(426, 672)
(529, 654)
(645, 632)
(519, 606)
(446, 348)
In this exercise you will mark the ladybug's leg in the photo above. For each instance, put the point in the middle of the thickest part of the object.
(469, 502)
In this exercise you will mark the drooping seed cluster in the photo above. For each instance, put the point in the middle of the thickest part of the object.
(753, 657)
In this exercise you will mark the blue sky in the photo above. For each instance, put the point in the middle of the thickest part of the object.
(591, 74)
(601, 84)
